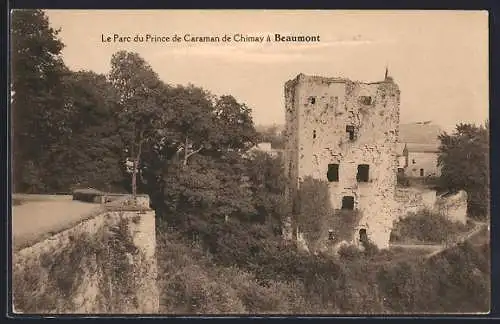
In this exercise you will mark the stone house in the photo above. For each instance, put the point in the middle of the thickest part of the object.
(418, 149)
(267, 148)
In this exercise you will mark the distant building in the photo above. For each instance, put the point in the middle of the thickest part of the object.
(400, 149)
(266, 148)
(418, 149)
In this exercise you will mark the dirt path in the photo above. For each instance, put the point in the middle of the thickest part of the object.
(435, 249)
(431, 247)
(35, 219)
(479, 226)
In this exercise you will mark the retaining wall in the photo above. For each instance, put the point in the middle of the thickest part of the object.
(106, 263)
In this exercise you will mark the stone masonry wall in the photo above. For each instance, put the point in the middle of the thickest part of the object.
(318, 112)
(106, 264)
(453, 206)
(412, 200)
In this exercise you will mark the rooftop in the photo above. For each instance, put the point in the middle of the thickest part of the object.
(420, 133)
(422, 148)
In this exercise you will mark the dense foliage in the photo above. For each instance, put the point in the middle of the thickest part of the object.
(427, 226)
(246, 270)
(464, 161)
(38, 109)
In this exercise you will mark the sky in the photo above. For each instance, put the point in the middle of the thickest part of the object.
(439, 59)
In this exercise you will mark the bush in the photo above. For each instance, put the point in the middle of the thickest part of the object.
(457, 280)
(269, 278)
(263, 275)
(370, 249)
(426, 226)
(314, 208)
(350, 252)
(402, 180)
(192, 282)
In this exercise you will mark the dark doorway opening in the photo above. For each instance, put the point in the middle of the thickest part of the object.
(363, 237)
(348, 202)
(421, 172)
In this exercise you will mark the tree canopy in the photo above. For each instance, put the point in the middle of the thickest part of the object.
(37, 103)
(464, 161)
(79, 129)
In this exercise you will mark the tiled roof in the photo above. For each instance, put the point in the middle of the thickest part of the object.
(420, 137)
(427, 148)
(420, 132)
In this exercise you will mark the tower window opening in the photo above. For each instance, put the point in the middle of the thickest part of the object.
(363, 173)
(312, 100)
(350, 130)
(421, 172)
(348, 202)
(333, 173)
(314, 134)
(365, 100)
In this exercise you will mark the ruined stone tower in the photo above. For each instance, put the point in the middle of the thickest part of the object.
(345, 133)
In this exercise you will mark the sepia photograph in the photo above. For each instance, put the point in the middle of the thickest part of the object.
(250, 162)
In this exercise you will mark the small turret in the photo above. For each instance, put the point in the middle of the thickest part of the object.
(387, 78)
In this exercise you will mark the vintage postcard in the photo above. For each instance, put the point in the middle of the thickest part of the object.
(250, 162)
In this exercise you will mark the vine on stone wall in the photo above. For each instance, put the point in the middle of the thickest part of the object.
(51, 283)
(315, 215)
(314, 207)
(117, 284)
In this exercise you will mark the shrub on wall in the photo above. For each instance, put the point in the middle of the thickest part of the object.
(314, 207)
(426, 226)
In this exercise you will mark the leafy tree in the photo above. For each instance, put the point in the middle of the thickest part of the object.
(267, 178)
(464, 161)
(139, 93)
(234, 124)
(37, 103)
(192, 124)
(90, 153)
(205, 132)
